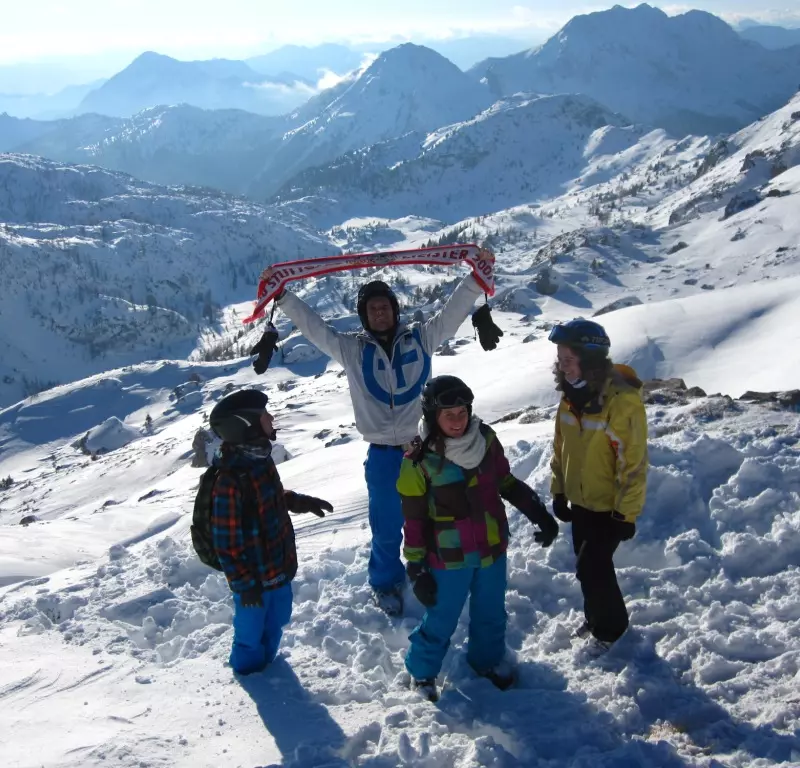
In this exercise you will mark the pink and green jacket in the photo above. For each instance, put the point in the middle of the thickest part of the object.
(455, 517)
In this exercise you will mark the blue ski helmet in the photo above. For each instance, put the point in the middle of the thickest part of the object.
(583, 334)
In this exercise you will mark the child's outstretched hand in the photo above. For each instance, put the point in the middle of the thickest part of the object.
(299, 503)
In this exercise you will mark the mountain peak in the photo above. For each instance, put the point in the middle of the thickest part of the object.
(150, 61)
(410, 57)
(689, 73)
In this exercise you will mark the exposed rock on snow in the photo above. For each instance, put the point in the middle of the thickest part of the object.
(626, 301)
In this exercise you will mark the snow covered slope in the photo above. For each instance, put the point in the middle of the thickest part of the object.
(117, 640)
(408, 88)
(740, 169)
(102, 270)
(689, 73)
(153, 79)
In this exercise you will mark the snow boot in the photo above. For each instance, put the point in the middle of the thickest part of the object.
(582, 631)
(426, 688)
(593, 650)
(390, 601)
(502, 675)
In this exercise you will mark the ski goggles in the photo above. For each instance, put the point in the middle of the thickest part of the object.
(453, 398)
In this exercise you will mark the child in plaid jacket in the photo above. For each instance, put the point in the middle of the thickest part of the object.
(252, 534)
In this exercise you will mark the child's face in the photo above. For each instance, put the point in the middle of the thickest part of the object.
(453, 421)
(569, 363)
(267, 424)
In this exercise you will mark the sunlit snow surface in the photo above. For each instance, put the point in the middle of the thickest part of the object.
(114, 637)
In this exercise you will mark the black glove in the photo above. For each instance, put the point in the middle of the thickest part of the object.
(561, 508)
(625, 530)
(548, 530)
(299, 503)
(488, 333)
(423, 584)
(265, 348)
(527, 501)
(251, 598)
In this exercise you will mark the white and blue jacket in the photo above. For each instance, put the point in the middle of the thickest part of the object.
(386, 393)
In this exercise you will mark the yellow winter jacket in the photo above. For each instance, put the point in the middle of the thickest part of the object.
(600, 457)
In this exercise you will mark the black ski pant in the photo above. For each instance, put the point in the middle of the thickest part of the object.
(595, 539)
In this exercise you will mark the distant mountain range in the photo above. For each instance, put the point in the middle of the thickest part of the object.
(152, 79)
(388, 126)
(771, 36)
(689, 73)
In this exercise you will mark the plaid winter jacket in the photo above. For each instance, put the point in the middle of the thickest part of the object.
(455, 517)
(254, 546)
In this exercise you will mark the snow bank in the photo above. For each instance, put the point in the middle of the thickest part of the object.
(109, 436)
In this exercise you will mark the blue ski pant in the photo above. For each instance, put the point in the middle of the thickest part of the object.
(257, 631)
(381, 470)
(486, 646)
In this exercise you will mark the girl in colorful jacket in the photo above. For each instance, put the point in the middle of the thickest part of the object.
(599, 468)
(452, 484)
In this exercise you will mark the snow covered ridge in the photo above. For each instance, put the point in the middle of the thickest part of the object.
(689, 73)
(124, 652)
(165, 145)
(103, 270)
(520, 149)
(406, 89)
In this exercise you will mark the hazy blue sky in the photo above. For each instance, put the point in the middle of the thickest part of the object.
(36, 29)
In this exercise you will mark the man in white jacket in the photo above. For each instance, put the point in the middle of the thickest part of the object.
(387, 365)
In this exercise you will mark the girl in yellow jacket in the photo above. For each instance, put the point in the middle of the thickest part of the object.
(599, 467)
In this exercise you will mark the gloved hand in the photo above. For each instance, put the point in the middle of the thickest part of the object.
(251, 598)
(561, 508)
(625, 530)
(265, 348)
(549, 530)
(299, 503)
(423, 584)
(488, 333)
(527, 501)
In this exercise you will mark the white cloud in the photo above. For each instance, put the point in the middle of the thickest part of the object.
(781, 18)
(329, 78)
(283, 88)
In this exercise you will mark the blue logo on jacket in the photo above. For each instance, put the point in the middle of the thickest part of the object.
(411, 367)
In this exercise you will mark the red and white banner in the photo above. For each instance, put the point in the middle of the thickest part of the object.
(274, 278)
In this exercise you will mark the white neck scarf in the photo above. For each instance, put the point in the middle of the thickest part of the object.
(468, 450)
